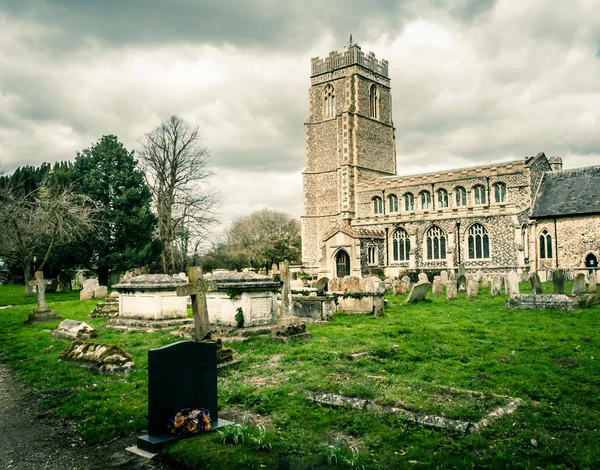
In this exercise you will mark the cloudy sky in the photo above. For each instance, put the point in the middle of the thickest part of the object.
(473, 81)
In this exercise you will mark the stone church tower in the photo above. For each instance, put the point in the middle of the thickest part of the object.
(349, 139)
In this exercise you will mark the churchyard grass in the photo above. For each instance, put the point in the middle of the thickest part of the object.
(428, 357)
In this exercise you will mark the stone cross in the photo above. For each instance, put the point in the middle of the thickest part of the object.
(197, 289)
(40, 283)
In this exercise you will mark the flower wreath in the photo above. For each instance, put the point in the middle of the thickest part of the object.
(189, 421)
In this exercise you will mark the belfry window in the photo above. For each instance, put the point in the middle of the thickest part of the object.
(442, 198)
(479, 194)
(393, 203)
(377, 205)
(400, 245)
(409, 202)
(329, 102)
(425, 200)
(435, 240)
(545, 245)
(374, 102)
(461, 196)
(500, 192)
(371, 255)
(479, 242)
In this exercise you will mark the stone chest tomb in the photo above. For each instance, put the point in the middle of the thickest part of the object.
(151, 297)
(255, 294)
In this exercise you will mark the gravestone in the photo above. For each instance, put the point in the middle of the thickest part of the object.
(406, 281)
(73, 330)
(418, 292)
(496, 288)
(461, 282)
(114, 278)
(352, 284)
(485, 281)
(397, 285)
(290, 332)
(461, 270)
(98, 357)
(286, 289)
(423, 277)
(87, 289)
(52, 286)
(558, 281)
(478, 275)
(579, 285)
(592, 282)
(64, 282)
(444, 276)
(100, 292)
(180, 375)
(41, 313)
(536, 284)
(451, 290)
(197, 289)
(472, 288)
(513, 283)
(438, 286)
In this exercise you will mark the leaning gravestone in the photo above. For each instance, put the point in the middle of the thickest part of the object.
(496, 288)
(451, 290)
(461, 282)
(322, 284)
(579, 285)
(513, 283)
(180, 375)
(74, 330)
(472, 288)
(592, 282)
(558, 281)
(418, 292)
(87, 290)
(42, 312)
(98, 357)
(438, 286)
(536, 284)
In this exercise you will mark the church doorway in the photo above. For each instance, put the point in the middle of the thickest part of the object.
(342, 263)
(591, 261)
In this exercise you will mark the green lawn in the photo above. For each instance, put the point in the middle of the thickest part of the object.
(423, 357)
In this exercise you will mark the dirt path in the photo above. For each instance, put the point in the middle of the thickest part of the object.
(30, 439)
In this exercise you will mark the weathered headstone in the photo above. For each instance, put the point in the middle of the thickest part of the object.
(397, 286)
(423, 277)
(485, 281)
(41, 313)
(352, 284)
(74, 330)
(181, 375)
(558, 281)
(451, 290)
(438, 286)
(579, 285)
(52, 286)
(496, 288)
(87, 289)
(197, 289)
(100, 292)
(472, 288)
(592, 282)
(513, 283)
(461, 282)
(418, 292)
(286, 289)
(406, 281)
(461, 270)
(290, 332)
(64, 282)
(98, 357)
(478, 275)
(444, 276)
(536, 284)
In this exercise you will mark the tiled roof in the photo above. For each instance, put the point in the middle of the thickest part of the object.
(568, 192)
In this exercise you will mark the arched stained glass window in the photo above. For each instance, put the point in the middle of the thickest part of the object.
(435, 241)
(377, 205)
(393, 203)
(479, 242)
(409, 202)
(442, 198)
(479, 194)
(329, 102)
(400, 245)
(425, 200)
(461, 196)
(545, 245)
(500, 192)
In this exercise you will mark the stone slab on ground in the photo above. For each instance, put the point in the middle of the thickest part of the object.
(98, 357)
(74, 330)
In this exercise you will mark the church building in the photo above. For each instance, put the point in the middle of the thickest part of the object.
(360, 216)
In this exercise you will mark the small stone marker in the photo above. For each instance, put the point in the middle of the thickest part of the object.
(513, 283)
(438, 286)
(100, 292)
(74, 330)
(444, 276)
(423, 277)
(418, 292)
(322, 284)
(472, 288)
(197, 289)
(88, 288)
(558, 281)
(462, 282)
(485, 281)
(406, 281)
(180, 375)
(451, 290)
(41, 313)
(579, 285)
(396, 286)
(592, 282)
(98, 357)
(536, 284)
(496, 288)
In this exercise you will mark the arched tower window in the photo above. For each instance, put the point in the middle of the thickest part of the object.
(400, 245)
(461, 196)
(479, 194)
(435, 240)
(545, 245)
(425, 200)
(409, 202)
(374, 102)
(393, 203)
(479, 242)
(442, 198)
(500, 192)
(329, 102)
(377, 205)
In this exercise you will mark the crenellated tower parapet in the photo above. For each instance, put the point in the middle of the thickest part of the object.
(352, 57)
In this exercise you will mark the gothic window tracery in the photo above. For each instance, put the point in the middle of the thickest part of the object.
(393, 203)
(461, 196)
(374, 102)
(545, 245)
(500, 192)
(329, 102)
(479, 194)
(479, 242)
(409, 202)
(435, 244)
(400, 245)
(442, 198)
(425, 200)
(377, 205)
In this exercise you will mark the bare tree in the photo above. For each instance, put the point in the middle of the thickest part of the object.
(176, 169)
(35, 224)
